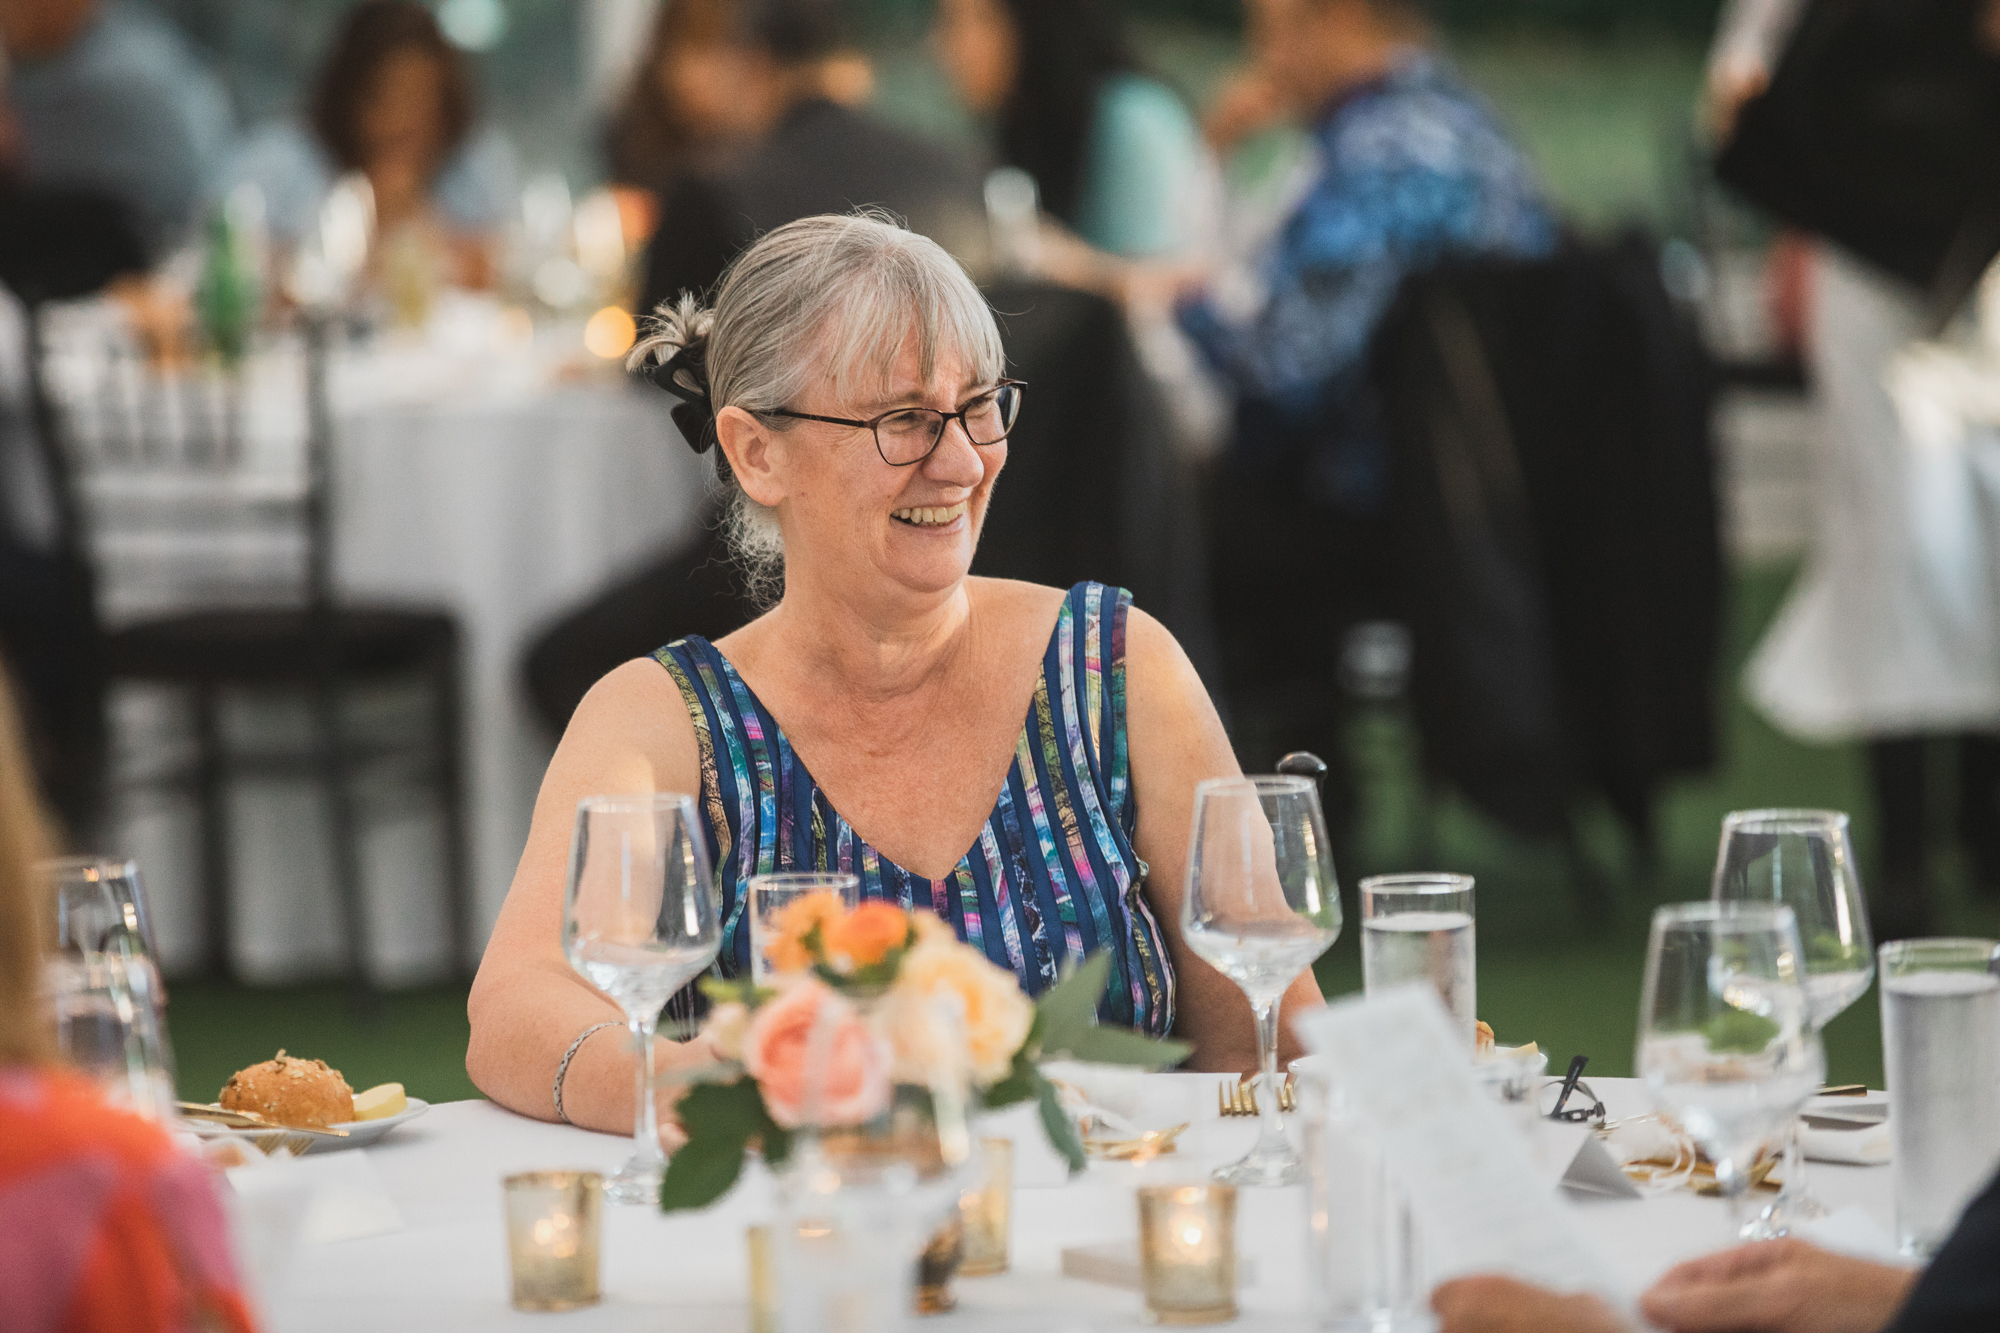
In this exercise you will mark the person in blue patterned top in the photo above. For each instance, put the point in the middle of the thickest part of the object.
(1411, 168)
(1017, 759)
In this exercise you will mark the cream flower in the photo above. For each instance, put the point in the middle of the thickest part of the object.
(944, 984)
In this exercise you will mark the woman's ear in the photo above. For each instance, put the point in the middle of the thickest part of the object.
(753, 453)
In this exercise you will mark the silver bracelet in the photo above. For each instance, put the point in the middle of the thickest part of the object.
(569, 1055)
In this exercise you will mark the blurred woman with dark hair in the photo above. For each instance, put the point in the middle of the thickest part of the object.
(108, 1226)
(1113, 152)
(395, 102)
(686, 97)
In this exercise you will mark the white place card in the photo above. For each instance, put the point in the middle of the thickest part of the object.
(1480, 1202)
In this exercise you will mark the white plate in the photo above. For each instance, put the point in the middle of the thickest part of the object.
(1868, 1109)
(360, 1133)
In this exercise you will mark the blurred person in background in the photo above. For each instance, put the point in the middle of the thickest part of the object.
(1113, 152)
(1411, 168)
(395, 102)
(815, 152)
(108, 1225)
(107, 96)
(1880, 638)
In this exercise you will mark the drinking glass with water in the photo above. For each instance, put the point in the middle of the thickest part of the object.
(1261, 905)
(1725, 1043)
(1941, 1051)
(1804, 860)
(639, 922)
(1420, 928)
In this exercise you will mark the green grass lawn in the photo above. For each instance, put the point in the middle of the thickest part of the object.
(1542, 977)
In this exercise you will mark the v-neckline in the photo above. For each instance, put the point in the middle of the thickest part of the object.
(999, 797)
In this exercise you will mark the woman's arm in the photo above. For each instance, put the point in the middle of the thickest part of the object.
(1176, 741)
(630, 734)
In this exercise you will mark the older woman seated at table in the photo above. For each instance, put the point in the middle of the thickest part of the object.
(872, 719)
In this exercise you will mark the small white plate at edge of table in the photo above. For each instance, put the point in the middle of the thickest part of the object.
(360, 1133)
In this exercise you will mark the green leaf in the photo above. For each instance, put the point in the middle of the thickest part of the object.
(700, 1173)
(720, 1119)
(1018, 1086)
(1058, 1126)
(1068, 1009)
(1120, 1046)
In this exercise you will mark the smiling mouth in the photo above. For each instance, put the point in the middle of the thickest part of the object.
(928, 518)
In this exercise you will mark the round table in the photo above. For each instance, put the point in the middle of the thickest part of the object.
(447, 1268)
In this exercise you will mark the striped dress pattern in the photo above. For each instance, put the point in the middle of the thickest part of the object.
(1052, 877)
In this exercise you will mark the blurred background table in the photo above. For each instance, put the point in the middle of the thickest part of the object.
(487, 469)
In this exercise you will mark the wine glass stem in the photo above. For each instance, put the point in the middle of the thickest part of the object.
(1271, 1128)
(1793, 1187)
(646, 1125)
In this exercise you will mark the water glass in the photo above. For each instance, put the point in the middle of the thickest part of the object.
(1941, 1051)
(1261, 905)
(1725, 1044)
(108, 1003)
(640, 922)
(770, 895)
(554, 1224)
(1365, 1264)
(1804, 860)
(1420, 928)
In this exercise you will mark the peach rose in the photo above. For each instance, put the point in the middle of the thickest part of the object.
(995, 1013)
(796, 920)
(806, 1024)
(865, 936)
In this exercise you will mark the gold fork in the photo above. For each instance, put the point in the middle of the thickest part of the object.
(1239, 1097)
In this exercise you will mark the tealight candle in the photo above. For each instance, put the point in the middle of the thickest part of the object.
(988, 1211)
(1187, 1252)
(553, 1221)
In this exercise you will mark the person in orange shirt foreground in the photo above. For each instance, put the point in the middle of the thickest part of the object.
(109, 1228)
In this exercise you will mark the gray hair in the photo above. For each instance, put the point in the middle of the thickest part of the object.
(828, 299)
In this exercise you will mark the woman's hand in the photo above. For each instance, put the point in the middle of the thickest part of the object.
(1503, 1305)
(1777, 1286)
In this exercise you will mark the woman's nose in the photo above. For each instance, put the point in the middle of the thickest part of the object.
(955, 459)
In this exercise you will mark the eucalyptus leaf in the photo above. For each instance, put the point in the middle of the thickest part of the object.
(1068, 1009)
(700, 1173)
(1119, 1046)
(1057, 1124)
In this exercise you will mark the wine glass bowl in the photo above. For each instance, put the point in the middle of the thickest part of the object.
(1261, 904)
(640, 921)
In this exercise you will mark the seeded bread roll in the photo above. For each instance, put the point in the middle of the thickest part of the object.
(302, 1093)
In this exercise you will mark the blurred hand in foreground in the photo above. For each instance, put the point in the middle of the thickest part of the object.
(1502, 1305)
(1248, 102)
(1778, 1286)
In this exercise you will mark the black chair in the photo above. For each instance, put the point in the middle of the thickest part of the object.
(299, 638)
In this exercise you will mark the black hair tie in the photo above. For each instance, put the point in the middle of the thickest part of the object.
(695, 414)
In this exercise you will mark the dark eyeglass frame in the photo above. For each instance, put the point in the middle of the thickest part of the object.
(872, 423)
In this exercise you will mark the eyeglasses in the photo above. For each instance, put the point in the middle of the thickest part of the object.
(907, 435)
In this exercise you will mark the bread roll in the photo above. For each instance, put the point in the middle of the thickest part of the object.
(304, 1094)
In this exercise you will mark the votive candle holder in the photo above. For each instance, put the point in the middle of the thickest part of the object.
(554, 1223)
(1187, 1253)
(767, 1312)
(988, 1212)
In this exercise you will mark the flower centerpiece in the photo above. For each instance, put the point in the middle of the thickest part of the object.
(872, 1009)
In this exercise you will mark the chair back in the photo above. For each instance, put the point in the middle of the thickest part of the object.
(196, 482)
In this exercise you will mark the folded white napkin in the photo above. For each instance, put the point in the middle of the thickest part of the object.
(1862, 1146)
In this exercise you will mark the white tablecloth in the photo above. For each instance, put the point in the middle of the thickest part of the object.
(473, 473)
(447, 1269)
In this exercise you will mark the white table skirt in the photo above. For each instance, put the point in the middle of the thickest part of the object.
(447, 1269)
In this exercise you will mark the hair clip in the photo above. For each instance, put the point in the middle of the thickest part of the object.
(695, 413)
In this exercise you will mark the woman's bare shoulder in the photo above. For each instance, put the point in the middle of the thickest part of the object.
(634, 721)
(1012, 600)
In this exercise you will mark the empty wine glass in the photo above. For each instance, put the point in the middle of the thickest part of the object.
(640, 922)
(1261, 905)
(1725, 1044)
(1803, 860)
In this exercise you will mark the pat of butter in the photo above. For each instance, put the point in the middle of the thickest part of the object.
(381, 1102)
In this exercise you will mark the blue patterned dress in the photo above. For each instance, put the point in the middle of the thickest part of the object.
(1052, 877)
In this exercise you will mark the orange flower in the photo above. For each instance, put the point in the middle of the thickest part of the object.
(865, 936)
(796, 921)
